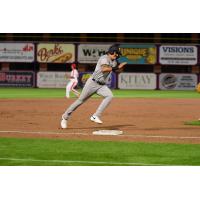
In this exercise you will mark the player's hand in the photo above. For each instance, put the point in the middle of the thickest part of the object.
(122, 64)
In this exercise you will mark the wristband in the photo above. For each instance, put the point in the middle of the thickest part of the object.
(115, 68)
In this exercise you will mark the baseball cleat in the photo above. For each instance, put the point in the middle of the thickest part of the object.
(95, 119)
(63, 123)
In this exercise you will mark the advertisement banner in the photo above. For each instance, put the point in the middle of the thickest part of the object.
(17, 52)
(84, 76)
(145, 81)
(177, 55)
(52, 79)
(55, 53)
(177, 81)
(138, 54)
(17, 79)
(90, 53)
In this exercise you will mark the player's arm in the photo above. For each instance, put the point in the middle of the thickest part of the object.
(121, 65)
(106, 68)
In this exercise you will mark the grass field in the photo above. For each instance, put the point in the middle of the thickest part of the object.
(59, 93)
(51, 152)
(54, 152)
(195, 123)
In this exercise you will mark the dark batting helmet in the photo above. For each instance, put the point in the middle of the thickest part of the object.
(114, 48)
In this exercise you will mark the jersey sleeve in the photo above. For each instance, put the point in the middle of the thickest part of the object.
(104, 61)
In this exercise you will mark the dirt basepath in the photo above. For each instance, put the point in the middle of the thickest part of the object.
(146, 120)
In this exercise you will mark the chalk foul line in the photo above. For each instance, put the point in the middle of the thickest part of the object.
(81, 162)
(88, 134)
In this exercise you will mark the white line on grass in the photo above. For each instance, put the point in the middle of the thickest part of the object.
(79, 161)
(164, 136)
(87, 134)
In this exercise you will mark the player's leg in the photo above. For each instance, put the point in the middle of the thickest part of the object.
(89, 89)
(68, 89)
(107, 94)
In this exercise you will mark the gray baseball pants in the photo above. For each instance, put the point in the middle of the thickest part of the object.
(89, 89)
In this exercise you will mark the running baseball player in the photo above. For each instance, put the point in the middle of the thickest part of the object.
(72, 82)
(97, 84)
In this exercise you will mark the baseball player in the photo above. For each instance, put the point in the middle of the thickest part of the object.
(97, 84)
(73, 82)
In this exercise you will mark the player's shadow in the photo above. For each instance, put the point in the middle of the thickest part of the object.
(113, 127)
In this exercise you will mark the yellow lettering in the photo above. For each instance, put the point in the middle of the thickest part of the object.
(134, 51)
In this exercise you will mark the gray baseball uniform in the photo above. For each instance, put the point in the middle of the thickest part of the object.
(95, 84)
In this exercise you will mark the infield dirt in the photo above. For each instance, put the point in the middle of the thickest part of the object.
(140, 119)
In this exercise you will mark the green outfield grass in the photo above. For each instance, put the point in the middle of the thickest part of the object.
(58, 152)
(195, 123)
(59, 93)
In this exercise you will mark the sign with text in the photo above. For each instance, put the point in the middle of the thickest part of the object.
(17, 79)
(177, 81)
(90, 53)
(55, 53)
(138, 54)
(17, 52)
(137, 81)
(52, 79)
(177, 55)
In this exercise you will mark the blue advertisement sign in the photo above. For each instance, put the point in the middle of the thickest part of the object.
(84, 76)
(138, 54)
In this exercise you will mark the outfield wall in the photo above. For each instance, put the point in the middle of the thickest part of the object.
(136, 81)
(150, 66)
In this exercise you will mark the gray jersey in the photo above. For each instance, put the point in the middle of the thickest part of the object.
(98, 75)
